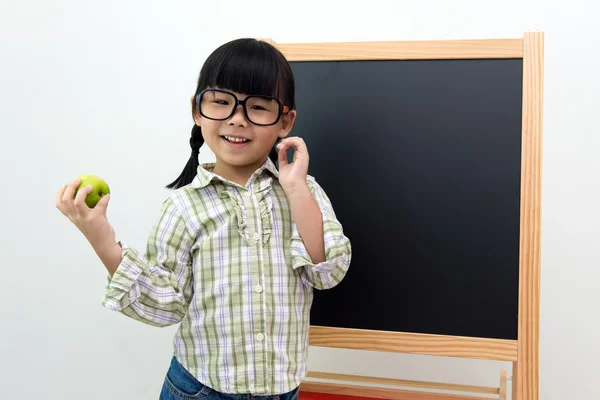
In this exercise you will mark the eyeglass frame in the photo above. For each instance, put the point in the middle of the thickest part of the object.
(283, 109)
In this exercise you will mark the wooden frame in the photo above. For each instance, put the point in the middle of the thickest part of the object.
(523, 352)
(417, 50)
(415, 343)
(424, 390)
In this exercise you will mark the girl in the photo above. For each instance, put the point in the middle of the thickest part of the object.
(238, 246)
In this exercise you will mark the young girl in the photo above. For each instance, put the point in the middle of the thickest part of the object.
(239, 245)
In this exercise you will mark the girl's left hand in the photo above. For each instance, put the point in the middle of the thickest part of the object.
(292, 175)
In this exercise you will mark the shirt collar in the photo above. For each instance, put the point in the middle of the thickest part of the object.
(205, 175)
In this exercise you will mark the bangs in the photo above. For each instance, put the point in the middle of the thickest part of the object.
(248, 66)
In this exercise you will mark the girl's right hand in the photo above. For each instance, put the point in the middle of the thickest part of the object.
(92, 222)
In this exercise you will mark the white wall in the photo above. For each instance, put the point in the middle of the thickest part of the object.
(104, 87)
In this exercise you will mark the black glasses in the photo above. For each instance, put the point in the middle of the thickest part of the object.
(220, 105)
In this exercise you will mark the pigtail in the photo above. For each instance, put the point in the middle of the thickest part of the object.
(191, 168)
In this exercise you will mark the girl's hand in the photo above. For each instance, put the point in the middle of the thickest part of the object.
(293, 176)
(91, 222)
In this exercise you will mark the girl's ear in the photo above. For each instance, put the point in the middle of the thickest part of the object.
(287, 122)
(195, 114)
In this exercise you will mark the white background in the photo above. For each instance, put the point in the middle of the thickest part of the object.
(103, 87)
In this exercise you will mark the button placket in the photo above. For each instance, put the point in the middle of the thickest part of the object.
(258, 304)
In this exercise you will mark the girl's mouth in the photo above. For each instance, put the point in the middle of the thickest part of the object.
(235, 141)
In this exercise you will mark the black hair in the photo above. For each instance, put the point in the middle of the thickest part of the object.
(245, 66)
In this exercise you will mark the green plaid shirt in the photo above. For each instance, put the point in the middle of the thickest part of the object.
(227, 262)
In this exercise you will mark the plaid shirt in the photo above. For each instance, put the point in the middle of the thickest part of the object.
(228, 263)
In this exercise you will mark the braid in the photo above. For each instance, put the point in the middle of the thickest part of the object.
(191, 168)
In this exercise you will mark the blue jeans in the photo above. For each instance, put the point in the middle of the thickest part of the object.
(179, 384)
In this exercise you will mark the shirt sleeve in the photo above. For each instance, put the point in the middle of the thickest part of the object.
(338, 251)
(155, 288)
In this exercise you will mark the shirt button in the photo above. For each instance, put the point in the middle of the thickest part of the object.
(260, 337)
(248, 193)
(256, 236)
(251, 388)
(258, 289)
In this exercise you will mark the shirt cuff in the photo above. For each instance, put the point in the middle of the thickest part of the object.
(301, 258)
(123, 281)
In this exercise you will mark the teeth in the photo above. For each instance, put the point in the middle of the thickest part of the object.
(236, 140)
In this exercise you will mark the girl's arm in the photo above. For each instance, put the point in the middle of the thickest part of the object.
(319, 247)
(309, 222)
(154, 288)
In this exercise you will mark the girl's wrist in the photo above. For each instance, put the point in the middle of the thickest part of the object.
(295, 191)
(110, 253)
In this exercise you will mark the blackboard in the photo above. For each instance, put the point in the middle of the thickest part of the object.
(422, 162)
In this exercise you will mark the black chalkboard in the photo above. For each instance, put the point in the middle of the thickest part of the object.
(422, 161)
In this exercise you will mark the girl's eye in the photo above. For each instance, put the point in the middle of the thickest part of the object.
(221, 102)
(259, 108)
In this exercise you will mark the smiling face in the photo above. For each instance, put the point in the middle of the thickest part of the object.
(236, 140)
(239, 139)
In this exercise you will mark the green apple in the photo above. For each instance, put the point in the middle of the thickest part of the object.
(100, 189)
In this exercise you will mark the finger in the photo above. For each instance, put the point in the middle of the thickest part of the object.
(102, 206)
(291, 142)
(297, 143)
(65, 200)
(60, 195)
(300, 149)
(70, 190)
(283, 146)
(79, 202)
(282, 156)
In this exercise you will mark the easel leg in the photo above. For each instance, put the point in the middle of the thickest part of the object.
(503, 380)
(526, 368)
(515, 380)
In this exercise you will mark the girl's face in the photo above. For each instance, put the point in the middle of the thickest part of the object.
(237, 141)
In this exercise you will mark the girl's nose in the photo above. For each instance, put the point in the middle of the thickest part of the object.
(238, 118)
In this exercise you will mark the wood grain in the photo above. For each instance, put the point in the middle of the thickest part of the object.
(403, 50)
(405, 383)
(527, 371)
(380, 393)
(414, 343)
